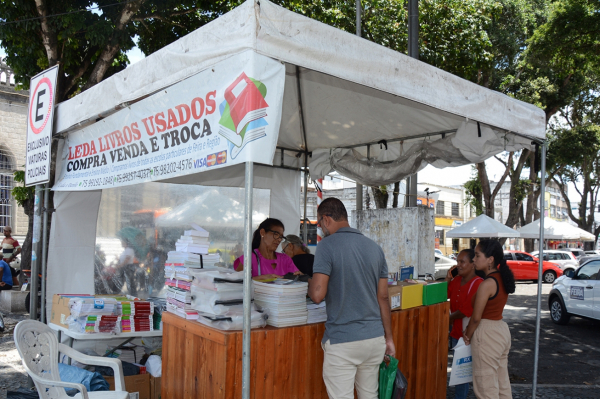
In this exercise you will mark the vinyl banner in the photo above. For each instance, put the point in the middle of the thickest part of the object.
(225, 115)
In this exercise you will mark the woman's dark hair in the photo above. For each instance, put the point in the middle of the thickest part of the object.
(493, 248)
(470, 252)
(267, 224)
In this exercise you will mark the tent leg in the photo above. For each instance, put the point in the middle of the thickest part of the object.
(539, 291)
(305, 222)
(44, 252)
(249, 184)
(35, 251)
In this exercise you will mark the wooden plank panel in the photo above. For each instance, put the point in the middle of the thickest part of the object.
(253, 362)
(442, 344)
(320, 358)
(314, 371)
(188, 361)
(230, 366)
(196, 328)
(258, 389)
(432, 350)
(239, 349)
(270, 352)
(410, 372)
(300, 365)
(421, 364)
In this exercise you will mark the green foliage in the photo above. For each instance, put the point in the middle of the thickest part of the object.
(474, 194)
(20, 193)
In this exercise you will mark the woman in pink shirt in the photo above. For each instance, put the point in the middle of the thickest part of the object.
(266, 263)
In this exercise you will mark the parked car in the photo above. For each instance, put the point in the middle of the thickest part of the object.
(438, 252)
(564, 259)
(576, 293)
(576, 251)
(594, 252)
(525, 267)
(442, 265)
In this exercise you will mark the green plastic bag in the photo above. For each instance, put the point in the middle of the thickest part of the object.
(387, 375)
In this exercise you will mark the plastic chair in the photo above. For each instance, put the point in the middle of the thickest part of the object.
(38, 347)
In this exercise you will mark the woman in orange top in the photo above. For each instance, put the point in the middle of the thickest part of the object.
(461, 290)
(487, 332)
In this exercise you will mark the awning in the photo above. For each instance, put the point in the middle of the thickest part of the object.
(482, 226)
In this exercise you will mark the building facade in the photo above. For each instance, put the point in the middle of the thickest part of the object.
(13, 131)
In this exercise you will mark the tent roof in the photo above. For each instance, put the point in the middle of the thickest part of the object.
(350, 91)
(555, 230)
(482, 226)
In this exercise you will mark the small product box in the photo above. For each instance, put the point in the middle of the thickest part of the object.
(407, 273)
(435, 292)
(405, 295)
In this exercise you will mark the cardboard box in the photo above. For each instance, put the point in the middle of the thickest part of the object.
(405, 295)
(60, 308)
(134, 383)
(155, 387)
(435, 292)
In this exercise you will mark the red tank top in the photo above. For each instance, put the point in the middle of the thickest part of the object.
(495, 305)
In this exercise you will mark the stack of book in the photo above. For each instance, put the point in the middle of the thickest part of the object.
(180, 302)
(193, 241)
(317, 313)
(96, 324)
(284, 301)
(93, 306)
(137, 316)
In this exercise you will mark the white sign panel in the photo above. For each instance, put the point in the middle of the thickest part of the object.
(42, 97)
(225, 115)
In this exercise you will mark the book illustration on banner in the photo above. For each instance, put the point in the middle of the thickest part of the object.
(243, 113)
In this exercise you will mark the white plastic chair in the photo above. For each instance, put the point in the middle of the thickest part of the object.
(38, 347)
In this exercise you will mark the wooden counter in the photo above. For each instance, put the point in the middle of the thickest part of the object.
(202, 362)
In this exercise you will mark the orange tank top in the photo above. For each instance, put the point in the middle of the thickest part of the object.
(495, 306)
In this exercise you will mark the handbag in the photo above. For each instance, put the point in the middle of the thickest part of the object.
(400, 386)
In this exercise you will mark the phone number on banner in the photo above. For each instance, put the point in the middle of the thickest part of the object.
(172, 167)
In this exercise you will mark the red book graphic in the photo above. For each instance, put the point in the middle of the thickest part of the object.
(246, 103)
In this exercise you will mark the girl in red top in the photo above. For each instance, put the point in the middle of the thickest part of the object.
(487, 332)
(461, 290)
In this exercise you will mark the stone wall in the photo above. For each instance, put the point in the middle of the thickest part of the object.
(13, 131)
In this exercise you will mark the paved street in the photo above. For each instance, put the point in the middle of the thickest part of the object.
(569, 363)
(12, 373)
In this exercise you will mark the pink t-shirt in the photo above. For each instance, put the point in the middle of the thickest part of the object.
(284, 263)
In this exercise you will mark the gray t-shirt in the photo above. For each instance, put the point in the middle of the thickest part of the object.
(354, 264)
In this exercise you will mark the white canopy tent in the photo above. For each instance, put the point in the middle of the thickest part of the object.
(368, 112)
(483, 226)
(555, 230)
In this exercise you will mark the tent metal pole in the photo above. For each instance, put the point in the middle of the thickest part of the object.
(541, 256)
(44, 253)
(305, 220)
(249, 185)
(359, 187)
(35, 250)
(413, 52)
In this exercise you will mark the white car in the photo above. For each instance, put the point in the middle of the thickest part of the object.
(442, 265)
(438, 252)
(564, 259)
(577, 293)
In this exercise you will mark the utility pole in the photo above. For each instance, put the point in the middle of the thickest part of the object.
(413, 51)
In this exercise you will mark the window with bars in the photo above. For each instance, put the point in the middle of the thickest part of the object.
(455, 209)
(6, 185)
(439, 208)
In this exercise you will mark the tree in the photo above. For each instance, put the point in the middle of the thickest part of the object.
(574, 155)
(25, 198)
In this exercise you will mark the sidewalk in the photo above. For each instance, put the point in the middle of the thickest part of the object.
(545, 391)
(12, 373)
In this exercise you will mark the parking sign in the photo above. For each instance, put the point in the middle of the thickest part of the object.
(42, 99)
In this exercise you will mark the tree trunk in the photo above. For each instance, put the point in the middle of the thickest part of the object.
(380, 196)
(485, 188)
(396, 193)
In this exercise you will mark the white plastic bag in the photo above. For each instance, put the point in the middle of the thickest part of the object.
(462, 364)
(154, 366)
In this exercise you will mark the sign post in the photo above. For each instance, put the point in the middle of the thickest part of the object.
(40, 119)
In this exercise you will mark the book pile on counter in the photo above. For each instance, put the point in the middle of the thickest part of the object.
(180, 266)
(109, 315)
(284, 301)
(317, 313)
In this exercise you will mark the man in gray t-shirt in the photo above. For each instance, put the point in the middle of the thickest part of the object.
(350, 273)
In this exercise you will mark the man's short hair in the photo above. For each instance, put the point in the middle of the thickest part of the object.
(334, 208)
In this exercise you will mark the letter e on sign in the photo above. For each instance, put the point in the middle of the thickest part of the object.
(42, 101)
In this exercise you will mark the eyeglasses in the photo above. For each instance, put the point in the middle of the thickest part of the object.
(276, 235)
(319, 220)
